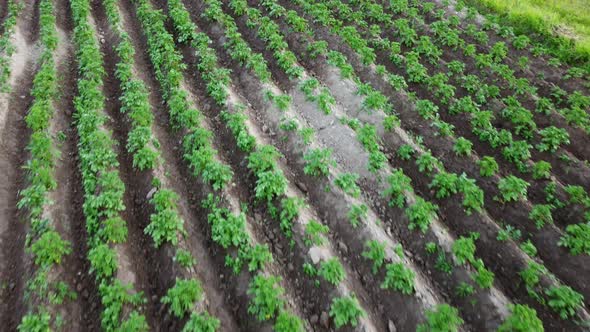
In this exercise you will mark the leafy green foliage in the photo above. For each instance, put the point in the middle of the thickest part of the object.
(347, 182)
(484, 277)
(531, 277)
(508, 232)
(421, 214)
(357, 213)
(552, 138)
(9, 25)
(346, 310)
(103, 261)
(103, 188)
(289, 211)
(201, 322)
(445, 129)
(464, 289)
(517, 152)
(577, 239)
(577, 195)
(266, 296)
(445, 184)
(520, 42)
(332, 271)
(318, 162)
(236, 123)
(522, 319)
(512, 189)
(487, 166)
(315, 233)
(405, 152)
(541, 215)
(427, 109)
(115, 297)
(227, 229)
(442, 263)
(375, 251)
(541, 170)
(287, 322)
(390, 122)
(564, 300)
(183, 296)
(184, 258)
(443, 317)
(166, 225)
(367, 135)
(427, 162)
(462, 147)
(473, 196)
(551, 195)
(529, 248)
(464, 250)
(50, 248)
(256, 256)
(270, 184)
(39, 322)
(399, 185)
(399, 277)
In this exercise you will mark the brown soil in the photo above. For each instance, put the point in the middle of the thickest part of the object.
(154, 270)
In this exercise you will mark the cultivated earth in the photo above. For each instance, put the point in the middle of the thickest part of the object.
(289, 165)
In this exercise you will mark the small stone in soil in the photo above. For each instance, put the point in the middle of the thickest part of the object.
(325, 319)
(391, 327)
(302, 186)
(342, 247)
(314, 319)
(151, 193)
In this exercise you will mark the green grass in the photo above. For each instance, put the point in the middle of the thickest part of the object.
(563, 24)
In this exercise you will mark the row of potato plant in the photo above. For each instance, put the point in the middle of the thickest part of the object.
(318, 161)
(472, 21)
(445, 173)
(366, 140)
(553, 50)
(103, 188)
(559, 289)
(432, 108)
(7, 49)
(166, 225)
(551, 136)
(365, 134)
(516, 45)
(262, 161)
(438, 84)
(574, 229)
(398, 276)
(44, 289)
(228, 229)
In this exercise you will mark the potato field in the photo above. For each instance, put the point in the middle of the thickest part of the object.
(289, 166)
